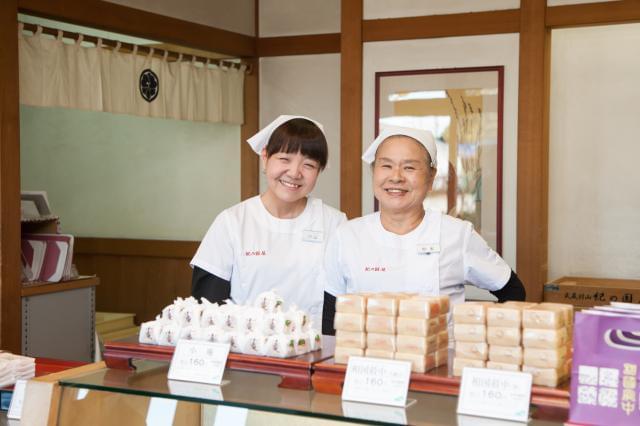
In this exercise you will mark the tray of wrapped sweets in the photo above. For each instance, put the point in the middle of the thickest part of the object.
(263, 337)
(414, 328)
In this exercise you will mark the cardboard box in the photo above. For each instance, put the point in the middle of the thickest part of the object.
(587, 292)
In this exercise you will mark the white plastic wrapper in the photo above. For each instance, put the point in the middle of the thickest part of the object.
(249, 320)
(209, 334)
(269, 301)
(299, 320)
(190, 315)
(315, 340)
(207, 319)
(301, 343)
(280, 346)
(191, 333)
(252, 344)
(169, 335)
(150, 332)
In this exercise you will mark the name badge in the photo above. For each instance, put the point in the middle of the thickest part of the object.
(312, 236)
(495, 393)
(428, 248)
(198, 361)
(377, 381)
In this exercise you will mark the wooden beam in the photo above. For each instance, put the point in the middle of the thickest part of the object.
(10, 280)
(132, 247)
(532, 210)
(452, 25)
(299, 45)
(351, 108)
(611, 12)
(135, 22)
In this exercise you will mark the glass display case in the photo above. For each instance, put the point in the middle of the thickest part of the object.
(145, 396)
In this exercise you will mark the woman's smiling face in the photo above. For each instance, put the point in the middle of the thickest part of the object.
(402, 176)
(290, 176)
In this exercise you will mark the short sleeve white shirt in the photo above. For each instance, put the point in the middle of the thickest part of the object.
(257, 252)
(438, 257)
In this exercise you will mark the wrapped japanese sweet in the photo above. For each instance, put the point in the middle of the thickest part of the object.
(298, 320)
(150, 331)
(192, 332)
(460, 363)
(207, 319)
(341, 355)
(209, 334)
(279, 346)
(226, 317)
(170, 334)
(315, 340)
(252, 344)
(351, 339)
(190, 314)
(351, 303)
(269, 301)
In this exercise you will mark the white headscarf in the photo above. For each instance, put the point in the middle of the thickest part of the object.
(260, 140)
(423, 136)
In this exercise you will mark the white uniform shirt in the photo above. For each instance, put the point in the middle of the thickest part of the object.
(438, 257)
(257, 252)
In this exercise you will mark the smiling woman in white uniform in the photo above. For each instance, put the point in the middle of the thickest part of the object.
(275, 240)
(403, 248)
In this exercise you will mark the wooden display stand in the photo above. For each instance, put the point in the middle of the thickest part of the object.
(295, 372)
(328, 377)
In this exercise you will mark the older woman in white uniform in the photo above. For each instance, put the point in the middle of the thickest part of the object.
(402, 247)
(275, 240)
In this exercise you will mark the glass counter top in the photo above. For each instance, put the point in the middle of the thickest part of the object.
(257, 391)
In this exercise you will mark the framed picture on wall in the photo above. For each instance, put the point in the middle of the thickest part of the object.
(463, 108)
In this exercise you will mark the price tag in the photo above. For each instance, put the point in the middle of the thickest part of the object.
(15, 408)
(377, 381)
(196, 361)
(495, 393)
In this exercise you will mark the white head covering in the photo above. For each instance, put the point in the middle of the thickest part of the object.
(423, 136)
(260, 140)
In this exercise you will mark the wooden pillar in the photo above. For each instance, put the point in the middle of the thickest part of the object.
(533, 144)
(249, 163)
(351, 108)
(10, 285)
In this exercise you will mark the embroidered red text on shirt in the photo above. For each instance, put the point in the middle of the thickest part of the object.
(375, 269)
(255, 253)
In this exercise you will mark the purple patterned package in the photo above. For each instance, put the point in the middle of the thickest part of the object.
(604, 379)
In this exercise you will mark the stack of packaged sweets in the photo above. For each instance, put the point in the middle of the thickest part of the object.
(393, 326)
(470, 335)
(546, 338)
(504, 335)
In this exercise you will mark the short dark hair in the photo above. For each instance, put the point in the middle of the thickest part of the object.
(300, 135)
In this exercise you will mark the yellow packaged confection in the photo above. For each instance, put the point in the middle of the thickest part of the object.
(543, 317)
(469, 332)
(565, 308)
(472, 350)
(378, 353)
(506, 354)
(417, 326)
(545, 358)
(442, 322)
(442, 339)
(382, 342)
(419, 307)
(544, 338)
(419, 363)
(522, 305)
(341, 355)
(460, 363)
(445, 305)
(416, 344)
(470, 313)
(349, 322)
(381, 324)
(551, 377)
(504, 316)
(351, 303)
(503, 366)
(504, 336)
(380, 305)
(442, 357)
(351, 339)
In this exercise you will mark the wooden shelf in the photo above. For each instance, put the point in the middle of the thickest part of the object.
(36, 288)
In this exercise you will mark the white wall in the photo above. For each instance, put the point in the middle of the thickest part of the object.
(297, 17)
(120, 176)
(381, 9)
(594, 178)
(230, 15)
(447, 53)
(306, 85)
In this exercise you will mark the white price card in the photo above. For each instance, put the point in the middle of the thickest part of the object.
(17, 399)
(377, 381)
(197, 361)
(495, 393)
